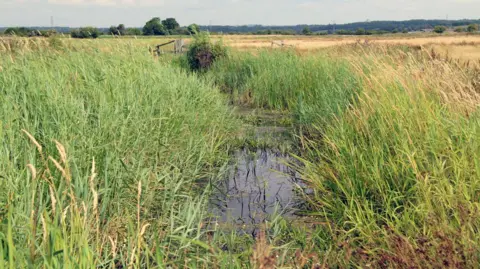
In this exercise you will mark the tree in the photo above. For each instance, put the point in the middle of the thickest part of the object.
(121, 29)
(360, 31)
(133, 31)
(472, 28)
(171, 25)
(86, 32)
(154, 27)
(306, 31)
(18, 31)
(439, 29)
(182, 31)
(344, 32)
(113, 30)
(459, 29)
(117, 30)
(193, 29)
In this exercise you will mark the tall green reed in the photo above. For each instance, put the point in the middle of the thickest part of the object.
(397, 175)
(109, 165)
(310, 87)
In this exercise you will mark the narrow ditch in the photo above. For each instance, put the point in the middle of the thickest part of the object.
(260, 183)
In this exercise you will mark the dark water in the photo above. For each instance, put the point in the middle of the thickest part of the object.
(260, 184)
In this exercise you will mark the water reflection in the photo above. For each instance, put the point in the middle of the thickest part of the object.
(259, 184)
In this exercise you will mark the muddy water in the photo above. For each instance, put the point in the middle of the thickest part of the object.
(260, 184)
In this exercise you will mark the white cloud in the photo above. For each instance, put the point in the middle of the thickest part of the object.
(108, 2)
(234, 12)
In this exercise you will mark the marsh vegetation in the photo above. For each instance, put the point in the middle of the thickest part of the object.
(111, 158)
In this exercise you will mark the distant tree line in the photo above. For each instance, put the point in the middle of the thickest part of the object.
(155, 26)
(372, 27)
(28, 32)
(470, 28)
(170, 26)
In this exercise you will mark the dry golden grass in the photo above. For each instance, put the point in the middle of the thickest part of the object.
(462, 52)
(461, 47)
(314, 42)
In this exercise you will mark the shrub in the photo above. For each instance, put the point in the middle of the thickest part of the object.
(133, 31)
(18, 31)
(439, 29)
(203, 52)
(193, 29)
(117, 30)
(306, 31)
(472, 28)
(86, 32)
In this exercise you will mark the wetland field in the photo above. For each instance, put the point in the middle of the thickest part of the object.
(323, 153)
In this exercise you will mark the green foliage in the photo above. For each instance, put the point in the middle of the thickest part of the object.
(439, 29)
(322, 33)
(171, 25)
(386, 158)
(137, 138)
(398, 164)
(117, 30)
(472, 28)
(193, 29)
(390, 143)
(306, 31)
(274, 32)
(460, 29)
(86, 32)
(344, 32)
(133, 31)
(20, 31)
(313, 89)
(360, 31)
(203, 52)
(154, 27)
(388, 26)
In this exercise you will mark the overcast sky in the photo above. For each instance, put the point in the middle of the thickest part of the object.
(103, 13)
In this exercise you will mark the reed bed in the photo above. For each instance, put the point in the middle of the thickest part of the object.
(283, 80)
(106, 155)
(390, 150)
(397, 175)
(105, 159)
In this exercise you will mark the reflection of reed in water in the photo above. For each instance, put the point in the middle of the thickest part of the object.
(260, 185)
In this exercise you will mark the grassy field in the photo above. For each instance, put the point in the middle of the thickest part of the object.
(108, 155)
(462, 47)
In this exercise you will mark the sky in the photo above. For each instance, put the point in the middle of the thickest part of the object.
(134, 13)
